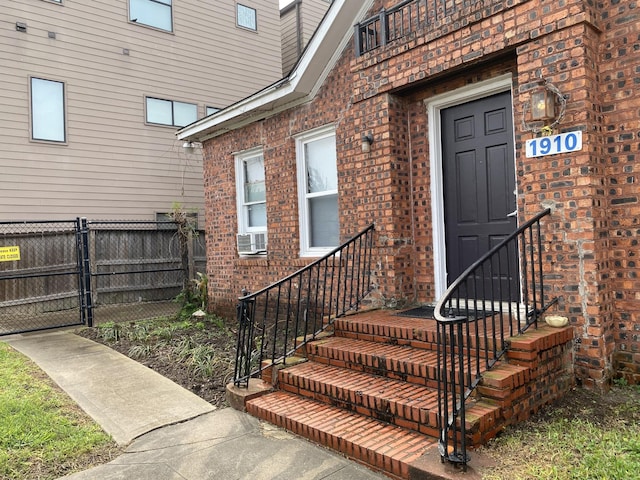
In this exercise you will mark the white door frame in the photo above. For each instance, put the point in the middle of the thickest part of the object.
(434, 105)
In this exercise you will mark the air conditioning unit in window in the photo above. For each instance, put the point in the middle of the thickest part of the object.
(252, 243)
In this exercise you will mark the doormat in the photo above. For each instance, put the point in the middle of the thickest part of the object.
(428, 312)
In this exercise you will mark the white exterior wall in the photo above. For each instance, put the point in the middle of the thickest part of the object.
(113, 165)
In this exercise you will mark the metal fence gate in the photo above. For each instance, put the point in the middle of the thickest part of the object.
(77, 272)
(41, 276)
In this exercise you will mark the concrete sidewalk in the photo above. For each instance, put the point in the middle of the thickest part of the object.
(171, 433)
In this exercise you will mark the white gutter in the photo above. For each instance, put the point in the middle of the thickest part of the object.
(320, 56)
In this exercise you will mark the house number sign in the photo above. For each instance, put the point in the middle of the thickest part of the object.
(553, 144)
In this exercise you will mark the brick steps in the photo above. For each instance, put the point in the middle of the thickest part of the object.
(380, 327)
(400, 403)
(369, 390)
(384, 447)
(396, 402)
(404, 363)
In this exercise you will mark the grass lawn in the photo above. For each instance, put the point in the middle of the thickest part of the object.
(585, 436)
(43, 433)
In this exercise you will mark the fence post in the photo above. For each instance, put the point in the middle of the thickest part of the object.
(86, 272)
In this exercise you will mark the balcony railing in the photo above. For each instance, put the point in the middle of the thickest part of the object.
(404, 19)
(276, 321)
(476, 316)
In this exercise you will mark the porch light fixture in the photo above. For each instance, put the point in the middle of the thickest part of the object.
(189, 147)
(542, 105)
(541, 108)
(367, 140)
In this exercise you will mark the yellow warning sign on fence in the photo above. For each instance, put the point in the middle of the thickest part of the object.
(9, 254)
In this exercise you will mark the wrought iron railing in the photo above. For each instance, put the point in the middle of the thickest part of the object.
(276, 321)
(499, 296)
(406, 18)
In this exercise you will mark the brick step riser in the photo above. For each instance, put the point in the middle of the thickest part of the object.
(432, 346)
(387, 462)
(418, 374)
(417, 412)
(428, 381)
(412, 418)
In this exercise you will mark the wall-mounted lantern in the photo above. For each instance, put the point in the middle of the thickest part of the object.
(540, 110)
(543, 105)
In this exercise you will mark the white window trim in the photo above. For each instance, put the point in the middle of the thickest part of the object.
(243, 221)
(305, 249)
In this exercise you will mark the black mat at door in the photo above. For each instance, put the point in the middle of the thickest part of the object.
(427, 312)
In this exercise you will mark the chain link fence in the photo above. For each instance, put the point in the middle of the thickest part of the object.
(76, 272)
(39, 275)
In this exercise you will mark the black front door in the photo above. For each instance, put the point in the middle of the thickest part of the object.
(479, 182)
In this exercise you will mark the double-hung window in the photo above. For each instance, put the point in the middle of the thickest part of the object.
(154, 13)
(168, 112)
(252, 202)
(251, 192)
(47, 110)
(318, 191)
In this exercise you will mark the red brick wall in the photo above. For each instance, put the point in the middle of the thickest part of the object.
(589, 54)
(618, 51)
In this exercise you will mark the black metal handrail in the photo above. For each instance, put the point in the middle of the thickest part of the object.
(276, 321)
(406, 18)
(499, 296)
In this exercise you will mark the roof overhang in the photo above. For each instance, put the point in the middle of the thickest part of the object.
(300, 86)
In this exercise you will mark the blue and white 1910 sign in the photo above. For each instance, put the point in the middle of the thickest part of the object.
(553, 144)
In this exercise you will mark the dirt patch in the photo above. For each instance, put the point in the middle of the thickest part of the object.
(198, 356)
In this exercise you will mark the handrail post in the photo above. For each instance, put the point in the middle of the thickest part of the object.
(277, 325)
(460, 305)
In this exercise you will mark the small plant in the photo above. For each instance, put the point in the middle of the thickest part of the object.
(194, 297)
(165, 332)
(140, 351)
(201, 360)
(110, 331)
(138, 332)
(184, 347)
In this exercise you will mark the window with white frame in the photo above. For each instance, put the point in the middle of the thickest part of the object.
(212, 110)
(169, 112)
(250, 192)
(247, 17)
(47, 110)
(153, 13)
(318, 191)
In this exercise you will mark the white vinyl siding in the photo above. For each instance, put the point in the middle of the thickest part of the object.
(318, 190)
(247, 17)
(47, 110)
(251, 192)
(154, 13)
(168, 112)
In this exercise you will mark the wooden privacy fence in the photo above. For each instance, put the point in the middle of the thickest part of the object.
(71, 272)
